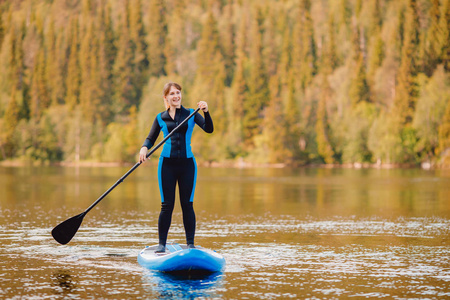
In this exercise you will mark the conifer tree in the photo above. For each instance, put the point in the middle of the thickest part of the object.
(106, 51)
(305, 56)
(324, 148)
(157, 33)
(73, 79)
(171, 67)
(376, 19)
(2, 140)
(431, 41)
(19, 71)
(343, 21)
(40, 100)
(11, 120)
(285, 62)
(176, 41)
(444, 37)
(16, 63)
(355, 141)
(359, 88)
(292, 119)
(227, 36)
(123, 71)
(444, 134)
(2, 28)
(376, 51)
(210, 78)
(239, 85)
(399, 33)
(36, 24)
(209, 50)
(329, 58)
(139, 48)
(53, 66)
(356, 45)
(258, 92)
(88, 68)
(406, 93)
(105, 27)
(376, 56)
(274, 127)
(138, 36)
(322, 126)
(270, 53)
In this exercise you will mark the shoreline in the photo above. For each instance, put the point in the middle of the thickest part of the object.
(235, 164)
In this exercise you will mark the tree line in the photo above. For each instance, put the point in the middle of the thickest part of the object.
(288, 81)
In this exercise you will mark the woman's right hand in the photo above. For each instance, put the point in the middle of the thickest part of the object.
(143, 154)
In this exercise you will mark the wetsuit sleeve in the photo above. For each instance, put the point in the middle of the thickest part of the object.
(153, 134)
(205, 123)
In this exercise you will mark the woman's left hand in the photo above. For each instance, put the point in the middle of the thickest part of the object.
(203, 106)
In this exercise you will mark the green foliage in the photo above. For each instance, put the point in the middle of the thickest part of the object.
(444, 37)
(2, 27)
(73, 77)
(275, 137)
(324, 146)
(156, 36)
(433, 40)
(11, 120)
(430, 112)
(304, 49)
(377, 54)
(444, 136)
(286, 81)
(384, 140)
(359, 88)
(122, 140)
(404, 104)
(258, 92)
(356, 148)
(291, 115)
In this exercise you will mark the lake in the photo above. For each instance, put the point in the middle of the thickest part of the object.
(285, 233)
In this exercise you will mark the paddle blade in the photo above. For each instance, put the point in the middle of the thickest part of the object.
(65, 231)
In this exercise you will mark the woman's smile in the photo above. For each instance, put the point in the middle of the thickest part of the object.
(174, 97)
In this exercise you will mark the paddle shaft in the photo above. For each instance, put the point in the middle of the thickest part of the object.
(139, 163)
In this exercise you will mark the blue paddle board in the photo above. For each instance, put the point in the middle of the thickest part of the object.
(180, 259)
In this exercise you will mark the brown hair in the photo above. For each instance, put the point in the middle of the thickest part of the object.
(167, 88)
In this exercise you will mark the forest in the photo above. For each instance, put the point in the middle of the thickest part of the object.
(290, 82)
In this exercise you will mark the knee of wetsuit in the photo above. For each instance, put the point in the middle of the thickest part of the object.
(167, 207)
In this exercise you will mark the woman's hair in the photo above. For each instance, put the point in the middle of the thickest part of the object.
(166, 90)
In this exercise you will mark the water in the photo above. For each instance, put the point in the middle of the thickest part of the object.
(285, 233)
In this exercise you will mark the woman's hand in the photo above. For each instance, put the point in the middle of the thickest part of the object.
(143, 154)
(203, 106)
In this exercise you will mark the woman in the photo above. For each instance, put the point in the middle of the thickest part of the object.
(176, 163)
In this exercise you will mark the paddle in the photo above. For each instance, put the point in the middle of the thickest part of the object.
(65, 231)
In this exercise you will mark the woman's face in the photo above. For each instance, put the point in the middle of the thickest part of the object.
(174, 97)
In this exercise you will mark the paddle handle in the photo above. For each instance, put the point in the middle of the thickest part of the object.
(139, 163)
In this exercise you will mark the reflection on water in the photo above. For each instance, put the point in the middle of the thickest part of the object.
(285, 233)
(64, 283)
(169, 286)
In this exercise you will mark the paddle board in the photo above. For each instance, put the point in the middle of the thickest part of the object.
(180, 259)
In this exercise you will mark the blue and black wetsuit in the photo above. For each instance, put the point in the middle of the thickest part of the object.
(177, 164)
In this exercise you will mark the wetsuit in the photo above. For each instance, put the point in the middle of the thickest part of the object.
(177, 164)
